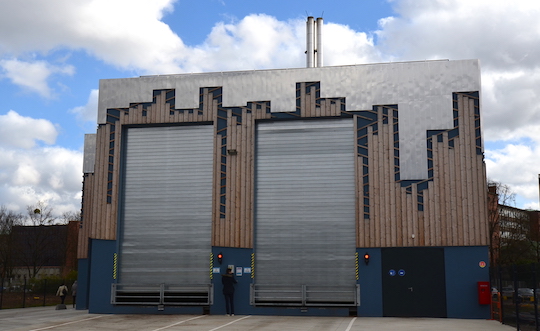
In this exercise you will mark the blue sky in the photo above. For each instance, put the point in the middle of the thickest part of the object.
(53, 53)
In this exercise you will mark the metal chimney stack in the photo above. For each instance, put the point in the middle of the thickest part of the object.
(314, 42)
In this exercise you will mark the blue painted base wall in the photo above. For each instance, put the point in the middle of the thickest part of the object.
(241, 257)
(99, 282)
(462, 272)
(461, 264)
(82, 284)
(370, 280)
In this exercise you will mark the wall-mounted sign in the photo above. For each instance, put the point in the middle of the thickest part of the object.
(392, 272)
(238, 271)
(216, 270)
(401, 272)
(482, 264)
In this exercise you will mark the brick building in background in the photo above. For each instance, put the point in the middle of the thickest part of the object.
(514, 233)
(44, 251)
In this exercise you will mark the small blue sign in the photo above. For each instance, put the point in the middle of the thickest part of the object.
(401, 272)
(392, 272)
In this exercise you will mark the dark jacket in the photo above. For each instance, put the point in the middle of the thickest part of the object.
(228, 282)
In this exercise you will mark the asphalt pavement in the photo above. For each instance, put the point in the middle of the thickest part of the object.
(48, 318)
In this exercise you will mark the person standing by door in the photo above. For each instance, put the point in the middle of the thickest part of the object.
(228, 282)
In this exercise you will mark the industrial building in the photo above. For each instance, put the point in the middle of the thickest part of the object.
(347, 190)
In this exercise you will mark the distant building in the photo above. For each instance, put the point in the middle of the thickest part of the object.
(44, 251)
(515, 233)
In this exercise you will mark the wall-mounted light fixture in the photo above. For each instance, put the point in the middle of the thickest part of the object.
(220, 257)
(232, 151)
(366, 258)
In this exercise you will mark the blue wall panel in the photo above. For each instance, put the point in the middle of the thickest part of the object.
(462, 271)
(370, 280)
(462, 274)
(101, 278)
(82, 283)
(101, 275)
(241, 257)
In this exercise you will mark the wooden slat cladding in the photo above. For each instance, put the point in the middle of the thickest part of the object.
(452, 211)
(446, 210)
(87, 213)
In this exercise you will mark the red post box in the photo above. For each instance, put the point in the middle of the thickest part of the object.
(484, 293)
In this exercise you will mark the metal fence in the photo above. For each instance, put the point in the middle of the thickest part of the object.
(32, 293)
(515, 293)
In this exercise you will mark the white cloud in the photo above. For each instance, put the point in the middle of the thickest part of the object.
(30, 173)
(517, 166)
(343, 46)
(33, 75)
(256, 41)
(130, 35)
(262, 42)
(23, 132)
(50, 174)
(511, 104)
(504, 34)
(26, 174)
(88, 112)
(127, 34)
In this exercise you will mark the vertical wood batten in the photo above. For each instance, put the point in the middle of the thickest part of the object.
(475, 172)
(453, 201)
(385, 203)
(370, 240)
(358, 184)
(415, 216)
(468, 170)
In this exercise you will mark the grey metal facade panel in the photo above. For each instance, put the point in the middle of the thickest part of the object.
(305, 203)
(89, 159)
(167, 209)
(422, 91)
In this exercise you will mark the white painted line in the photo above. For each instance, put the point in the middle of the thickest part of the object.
(219, 327)
(350, 324)
(54, 326)
(184, 321)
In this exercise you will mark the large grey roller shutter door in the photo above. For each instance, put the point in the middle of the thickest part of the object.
(305, 209)
(167, 208)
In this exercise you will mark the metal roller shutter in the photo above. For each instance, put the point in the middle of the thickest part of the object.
(305, 213)
(166, 215)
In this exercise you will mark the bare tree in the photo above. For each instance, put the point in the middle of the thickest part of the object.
(38, 244)
(70, 216)
(8, 219)
(516, 237)
(40, 214)
(499, 194)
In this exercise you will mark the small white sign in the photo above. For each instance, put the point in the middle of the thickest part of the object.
(216, 270)
(238, 271)
(247, 270)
